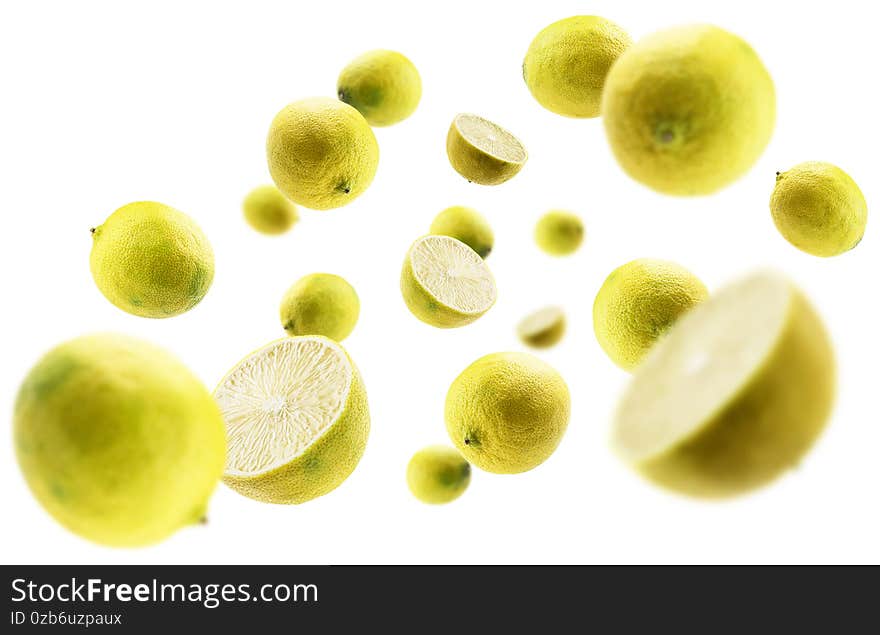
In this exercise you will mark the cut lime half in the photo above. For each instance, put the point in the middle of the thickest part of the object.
(735, 393)
(483, 152)
(543, 328)
(296, 420)
(445, 283)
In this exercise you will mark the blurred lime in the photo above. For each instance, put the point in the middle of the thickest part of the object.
(543, 328)
(559, 233)
(734, 395)
(437, 475)
(268, 211)
(118, 440)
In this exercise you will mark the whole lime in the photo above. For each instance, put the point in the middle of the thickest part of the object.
(819, 209)
(118, 440)
(437, 475)
(320, 304)
(151, 260)
(638, 303)
(268, 211)
(321, 152)
(506, 413)
(383, 85)
(559, 233)
(688, 110)
(567, 62)
(467, 225)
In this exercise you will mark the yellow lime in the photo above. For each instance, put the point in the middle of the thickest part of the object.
(321, 152)
(151, 260)
(637, 304)
(467, 225)
(268, 211)
(437, 475)
(119, 441)
(507, 412)
(819, 209)
(383, 85)
(559, 233)
(734, 395)
(445, 283)
(296, 419)
(543, 328)
(567, 62)
(320, 304)
(688, 110)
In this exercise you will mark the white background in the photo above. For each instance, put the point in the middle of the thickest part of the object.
(108, 103)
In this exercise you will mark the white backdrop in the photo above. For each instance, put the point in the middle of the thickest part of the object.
(111, 102)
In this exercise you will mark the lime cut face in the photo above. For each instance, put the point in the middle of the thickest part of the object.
(483, 152)
(280, 400)
(454, 274)
(705, 363)
(735, 394)
(543, 328)
(490, 138)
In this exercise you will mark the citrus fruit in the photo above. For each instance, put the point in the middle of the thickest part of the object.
(734, 395)
(559, 233)
(467, 225)
(268, 211)
(637, 304)
(384, 86)
(483, 152)
(320, 304)
(543, 328)
(321, 152)
(688, 110)
(437, 475)
(819, 209)
(507, 412)
(151, 260)
(567, 62)
(445, 283)
(296, 420)
(117, 440)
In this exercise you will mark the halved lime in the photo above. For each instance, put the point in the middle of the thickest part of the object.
(296, 420)
(543, 328)
(735, 393)
(483, 152)
(445, 283)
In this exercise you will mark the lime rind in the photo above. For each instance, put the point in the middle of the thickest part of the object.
(483, 152)
(279, 399)
(309, 420)
(734, 395)
(543, 328)
(445, 283)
